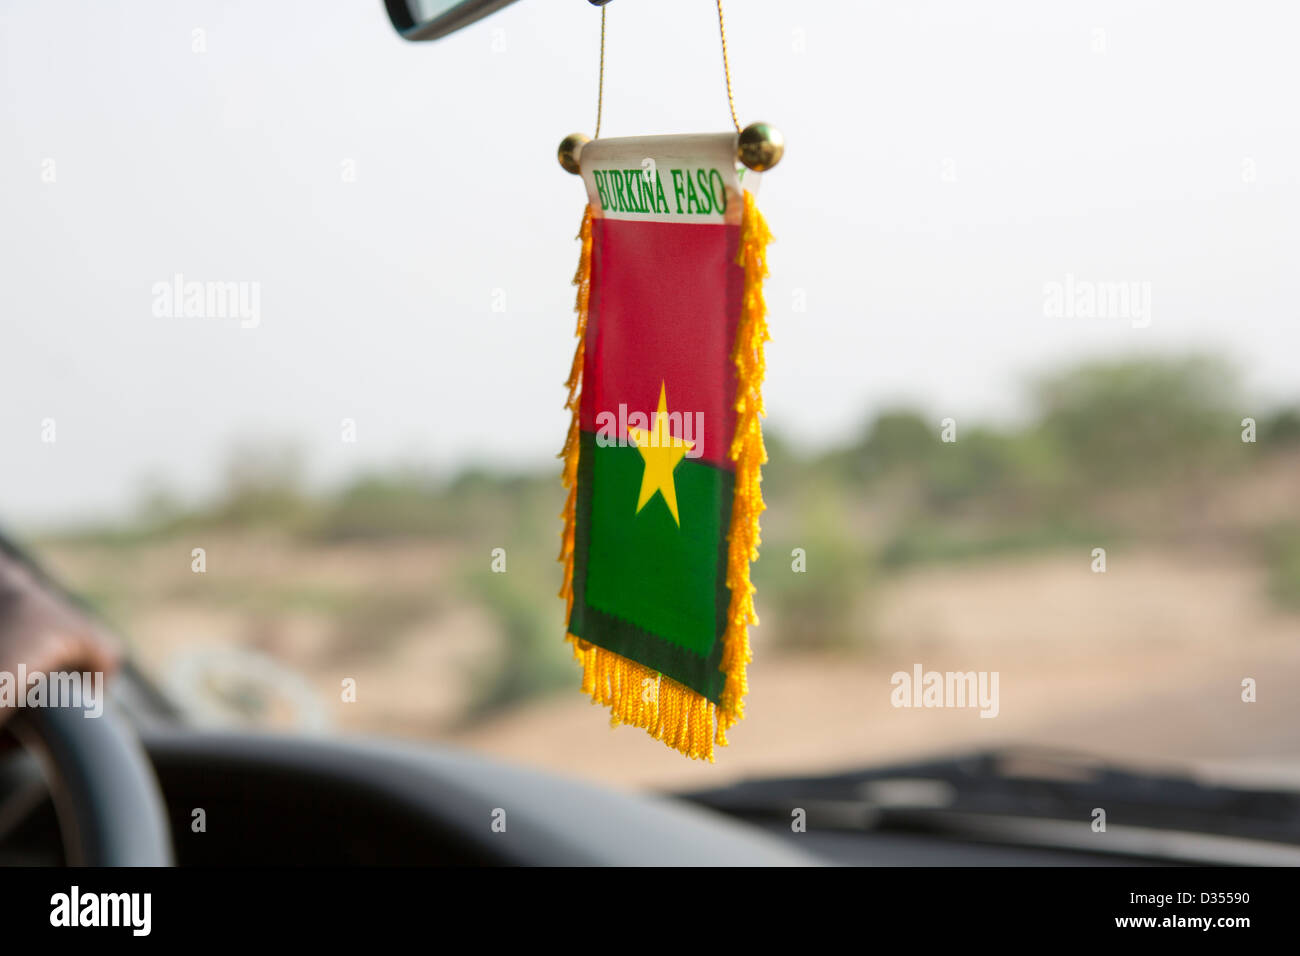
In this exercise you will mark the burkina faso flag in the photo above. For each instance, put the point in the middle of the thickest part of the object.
(664, 451)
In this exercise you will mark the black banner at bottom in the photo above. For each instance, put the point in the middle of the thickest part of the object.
(330, 906)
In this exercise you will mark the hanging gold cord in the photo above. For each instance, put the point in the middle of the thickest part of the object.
(726, 68)
(726, 72)
(600, 89)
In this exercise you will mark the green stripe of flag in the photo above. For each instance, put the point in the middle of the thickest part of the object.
(643, 586)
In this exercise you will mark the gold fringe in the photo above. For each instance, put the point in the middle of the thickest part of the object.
(748, 453)
(641, 697)
(572, 442)
(636, 695)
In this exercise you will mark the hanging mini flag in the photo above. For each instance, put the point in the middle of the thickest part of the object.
(664, 449)
(663, 457)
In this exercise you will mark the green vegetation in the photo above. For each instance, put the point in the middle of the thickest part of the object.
(1281, 551)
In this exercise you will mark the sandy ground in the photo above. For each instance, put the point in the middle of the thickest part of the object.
(1143, 663)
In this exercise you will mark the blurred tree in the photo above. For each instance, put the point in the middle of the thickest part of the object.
(897, 439)
(534, 658)
(1141, 419)
(1280, 428)
(263, 485)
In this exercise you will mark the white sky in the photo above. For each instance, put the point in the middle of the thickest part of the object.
(1173, 157)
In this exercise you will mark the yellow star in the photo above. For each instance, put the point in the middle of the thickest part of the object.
(662, 453)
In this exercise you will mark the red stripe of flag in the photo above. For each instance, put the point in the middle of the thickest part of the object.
(664, 311)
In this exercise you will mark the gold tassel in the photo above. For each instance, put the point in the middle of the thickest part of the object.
(572, 442)
(636, 695)
(748, 453)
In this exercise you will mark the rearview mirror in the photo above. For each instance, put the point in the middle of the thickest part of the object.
(431, 19)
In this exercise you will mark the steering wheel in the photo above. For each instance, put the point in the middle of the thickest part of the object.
(110, 810)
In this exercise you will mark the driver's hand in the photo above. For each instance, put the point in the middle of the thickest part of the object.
(43, 631)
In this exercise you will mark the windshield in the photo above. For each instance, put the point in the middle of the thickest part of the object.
(1033, 423)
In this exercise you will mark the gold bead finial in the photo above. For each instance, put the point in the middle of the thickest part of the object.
(760, 146)
(570, 151)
